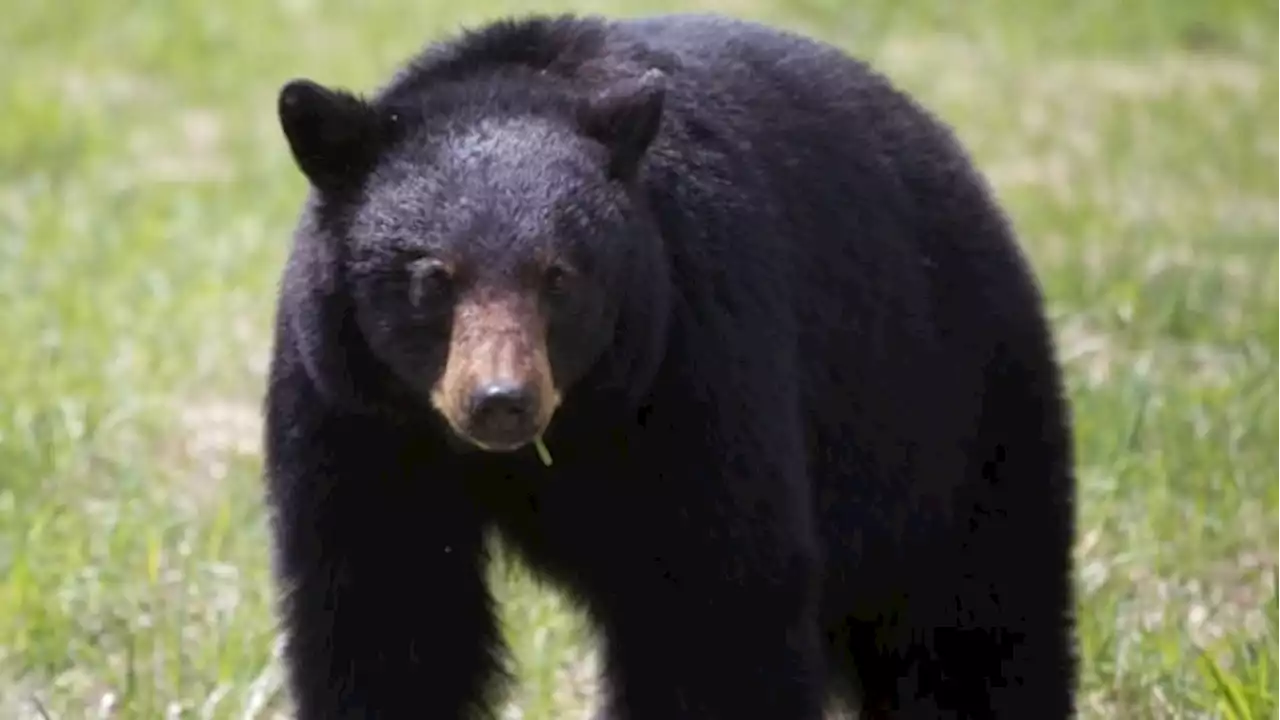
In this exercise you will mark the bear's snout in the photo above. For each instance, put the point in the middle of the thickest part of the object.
(496, 391)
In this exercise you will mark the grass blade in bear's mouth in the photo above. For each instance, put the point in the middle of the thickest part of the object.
(543, 453)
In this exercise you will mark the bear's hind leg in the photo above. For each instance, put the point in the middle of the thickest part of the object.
(1006, 646)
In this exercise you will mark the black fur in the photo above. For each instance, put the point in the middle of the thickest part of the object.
(813, 442)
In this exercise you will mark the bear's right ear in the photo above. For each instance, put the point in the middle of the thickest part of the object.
(332, 133)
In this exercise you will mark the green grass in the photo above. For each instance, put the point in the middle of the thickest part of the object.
(145, 202)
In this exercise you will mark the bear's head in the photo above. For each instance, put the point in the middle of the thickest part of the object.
(491, 242)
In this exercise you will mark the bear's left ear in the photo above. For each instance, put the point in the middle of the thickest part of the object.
(626, 119)
(332, 134)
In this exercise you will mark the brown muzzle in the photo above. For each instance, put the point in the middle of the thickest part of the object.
(496, 390)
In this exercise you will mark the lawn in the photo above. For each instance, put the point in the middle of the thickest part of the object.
(146, 197)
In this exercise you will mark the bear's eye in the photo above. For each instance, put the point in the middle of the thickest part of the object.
(427, 278)
(557, 279)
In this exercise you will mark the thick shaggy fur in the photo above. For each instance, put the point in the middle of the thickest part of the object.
(811, 441)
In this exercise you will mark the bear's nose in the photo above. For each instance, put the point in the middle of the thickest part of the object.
(502, 414)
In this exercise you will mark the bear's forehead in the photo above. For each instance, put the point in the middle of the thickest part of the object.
(515, 172)
(499, 143)
(488, 160)
(488, 150)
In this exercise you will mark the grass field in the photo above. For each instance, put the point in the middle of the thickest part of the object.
(146, 197)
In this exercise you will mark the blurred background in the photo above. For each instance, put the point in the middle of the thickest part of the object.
(146, 200)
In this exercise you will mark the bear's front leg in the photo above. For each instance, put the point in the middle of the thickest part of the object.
(712, 609)
(384, 610)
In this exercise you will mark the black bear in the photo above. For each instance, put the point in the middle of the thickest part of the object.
(710, 324)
